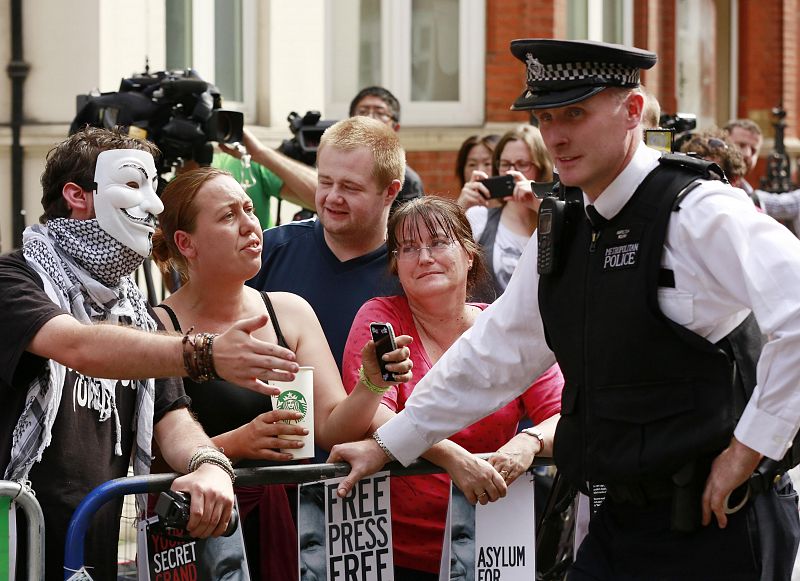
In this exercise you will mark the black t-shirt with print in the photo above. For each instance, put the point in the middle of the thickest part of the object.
(81, 455)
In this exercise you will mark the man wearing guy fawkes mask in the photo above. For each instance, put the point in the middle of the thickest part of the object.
(73, 271)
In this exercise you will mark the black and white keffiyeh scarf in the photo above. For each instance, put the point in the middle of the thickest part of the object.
(87, 273)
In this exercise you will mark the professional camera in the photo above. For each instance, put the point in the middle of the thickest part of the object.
(307, 131)
(177, 110)
(681, 125)
(679, 122)
(172, 508)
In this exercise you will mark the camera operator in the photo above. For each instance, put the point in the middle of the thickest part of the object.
(276, 176)
(381, 104)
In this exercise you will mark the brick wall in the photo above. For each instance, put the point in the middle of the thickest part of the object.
(769, 45)
(507, 20)
(768, 49)
(437, 170)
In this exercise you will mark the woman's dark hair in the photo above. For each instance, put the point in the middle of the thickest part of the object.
(488, 141)
(180, 213)
(437, 215)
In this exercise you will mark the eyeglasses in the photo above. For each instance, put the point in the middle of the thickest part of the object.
(518, 165)
(409, 252)
(376, 113)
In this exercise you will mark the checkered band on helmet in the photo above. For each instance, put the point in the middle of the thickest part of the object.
(538, 73)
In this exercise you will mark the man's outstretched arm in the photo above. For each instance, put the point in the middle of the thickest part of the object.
(117, 352)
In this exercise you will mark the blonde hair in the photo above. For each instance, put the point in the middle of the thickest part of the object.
(356, 132)
(651, 113)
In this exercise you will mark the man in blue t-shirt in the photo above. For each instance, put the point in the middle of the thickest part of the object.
(339, 261)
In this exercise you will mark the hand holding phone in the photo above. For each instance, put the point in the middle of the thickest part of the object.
(383, 336)
(499, 186)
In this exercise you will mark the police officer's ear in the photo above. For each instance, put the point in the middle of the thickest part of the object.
(634, 107)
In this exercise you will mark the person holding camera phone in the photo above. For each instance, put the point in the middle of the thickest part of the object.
(210, 235)
(438, 263)
(503, 231)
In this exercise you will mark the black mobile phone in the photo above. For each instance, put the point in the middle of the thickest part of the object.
(551, 219)
(499, 186)
(383, 335)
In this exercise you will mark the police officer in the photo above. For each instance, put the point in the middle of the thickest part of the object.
(653, 281)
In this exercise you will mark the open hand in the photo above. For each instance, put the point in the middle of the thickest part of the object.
(241, 358)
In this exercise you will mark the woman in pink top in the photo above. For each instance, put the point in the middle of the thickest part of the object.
(437, 261)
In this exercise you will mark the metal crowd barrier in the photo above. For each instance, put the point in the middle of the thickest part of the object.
(296, 474)
(24, 497)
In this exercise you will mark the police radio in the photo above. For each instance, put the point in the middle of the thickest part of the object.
(555, 216)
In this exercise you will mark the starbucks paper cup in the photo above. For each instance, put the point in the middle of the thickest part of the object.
(298, 396)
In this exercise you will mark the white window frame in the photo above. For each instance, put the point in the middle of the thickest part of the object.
(594, 25)
(396, 67)
(203, 51)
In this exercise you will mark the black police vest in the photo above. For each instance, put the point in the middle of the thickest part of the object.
(643, 395)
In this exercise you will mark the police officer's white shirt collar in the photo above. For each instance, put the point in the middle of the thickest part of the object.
(609, 203)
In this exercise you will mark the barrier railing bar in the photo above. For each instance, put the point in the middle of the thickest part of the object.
(296, 474)
(25, 498)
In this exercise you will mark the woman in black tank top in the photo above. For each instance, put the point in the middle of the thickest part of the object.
(209, 234)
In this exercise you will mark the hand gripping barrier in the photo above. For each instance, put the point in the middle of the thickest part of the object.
(79, 524)
(24, 497)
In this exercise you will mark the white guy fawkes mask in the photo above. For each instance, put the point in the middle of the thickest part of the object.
(125, 201)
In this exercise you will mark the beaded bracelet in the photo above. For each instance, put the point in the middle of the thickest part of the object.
(210, 455)
(198, 356)
(362, 376)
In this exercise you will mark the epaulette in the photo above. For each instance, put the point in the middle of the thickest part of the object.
(705, 169)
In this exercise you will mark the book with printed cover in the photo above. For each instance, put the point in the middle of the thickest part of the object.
(345, 538)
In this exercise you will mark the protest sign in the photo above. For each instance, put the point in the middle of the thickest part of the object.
(341, 539)
(492, 542)
(168, 555)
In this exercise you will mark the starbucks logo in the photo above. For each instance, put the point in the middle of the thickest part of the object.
(294, 402)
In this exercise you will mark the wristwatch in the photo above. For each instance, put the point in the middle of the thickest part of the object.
(536, 433)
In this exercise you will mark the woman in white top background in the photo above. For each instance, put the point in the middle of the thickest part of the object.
(504, 231)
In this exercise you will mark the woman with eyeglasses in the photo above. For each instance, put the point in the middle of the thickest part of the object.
(502, 232)
(437, 261)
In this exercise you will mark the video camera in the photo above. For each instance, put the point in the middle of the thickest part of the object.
(177, 110)
(307, 132)
(672, 132)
